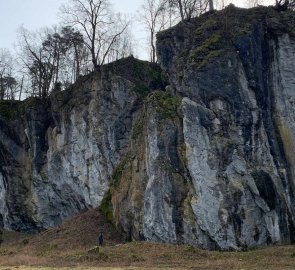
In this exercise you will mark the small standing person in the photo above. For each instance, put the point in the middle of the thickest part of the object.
(100, 239)
(1, 236)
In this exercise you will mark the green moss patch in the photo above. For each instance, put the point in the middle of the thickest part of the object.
(106, 206)
(141, 90)
(165, 104)
(210, 48)
(117, 174)
(138, 126)
(209, 25)
(9, 109)
(13, 109)
(145, 75)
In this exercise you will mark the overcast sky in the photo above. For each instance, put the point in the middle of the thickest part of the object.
(34, 14)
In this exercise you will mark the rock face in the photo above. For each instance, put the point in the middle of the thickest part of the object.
(238, 125)
(208, 162)
(220, 173)
(58, 156)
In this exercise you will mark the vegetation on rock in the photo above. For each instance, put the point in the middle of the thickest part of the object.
(117, 174)
(106, 206)
(165, 104)
(9, 109)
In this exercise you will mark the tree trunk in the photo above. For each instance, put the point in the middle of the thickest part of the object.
(57, 70)
(21, 89)
(93, 53)
(211, 6)
(1, 88)
(181, 10)
(77, 63)
(40, 82)
(153, 56)
(94, 59)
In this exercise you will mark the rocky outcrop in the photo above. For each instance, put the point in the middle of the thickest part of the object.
(220, 174)
(58, 154)
(207, 162)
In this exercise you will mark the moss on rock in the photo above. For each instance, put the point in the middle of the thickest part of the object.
(165, 104)
(209, 49)
(106, 206)
(141, 90)
(138, 126)
(117, 174)
(9, 109)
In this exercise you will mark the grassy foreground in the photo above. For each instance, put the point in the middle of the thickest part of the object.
(152, 256)
(70, 246)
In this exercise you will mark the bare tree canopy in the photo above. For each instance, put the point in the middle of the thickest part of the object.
(191, 8)
(100, 27)
(158, 15)
(51, 58)
(155, 19)
(7, 81)
(282, 5)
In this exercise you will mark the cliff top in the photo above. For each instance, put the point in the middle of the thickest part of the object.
(235, 21)
(144, 76)
(214, 33)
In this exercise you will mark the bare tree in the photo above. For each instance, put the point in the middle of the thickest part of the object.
(52, 58)
(37, 61)
(155, 18)
(56, 47)
(122, 47)
(7, 81)
(282, 5)
(76, 54)
(157, 15)
(191, 8)
(221, 4)
(253, 3)
(211, 5)
(96, 21)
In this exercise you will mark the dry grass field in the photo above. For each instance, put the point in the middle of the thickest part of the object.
(70, 246)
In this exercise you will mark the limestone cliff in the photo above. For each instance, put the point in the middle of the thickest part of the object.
(208, 160)
(58, 154)
(219, 172)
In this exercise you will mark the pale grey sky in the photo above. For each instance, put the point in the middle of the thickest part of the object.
(34, 14)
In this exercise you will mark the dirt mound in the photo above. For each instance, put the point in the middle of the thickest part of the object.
(80, 231)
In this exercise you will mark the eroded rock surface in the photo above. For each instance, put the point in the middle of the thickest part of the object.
(57, 157)
(233, 135)
(208, 162)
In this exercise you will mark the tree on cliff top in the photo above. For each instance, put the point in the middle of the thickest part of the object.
(51, 58)
(282, 5)
(7, 81)
(191, 8)
(101, 28)
(155, 19)
(157, 15)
